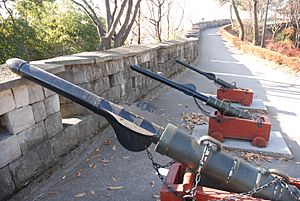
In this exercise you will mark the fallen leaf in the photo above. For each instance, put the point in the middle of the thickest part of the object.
(92, 157)
(93, 165)
(92, 192)
(80, 195)
(78, 174)
(114, 148)
(52, 193)
(104, 161)
(152, 183)
(107, 142)
(155, 196)
(115, 187)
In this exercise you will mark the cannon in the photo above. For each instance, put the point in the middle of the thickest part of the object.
(227, 91)
(204, 157)
(229, 121)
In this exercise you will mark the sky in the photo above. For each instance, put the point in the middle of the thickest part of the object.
(207, 9)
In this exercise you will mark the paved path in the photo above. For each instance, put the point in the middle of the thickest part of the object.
(106, 164)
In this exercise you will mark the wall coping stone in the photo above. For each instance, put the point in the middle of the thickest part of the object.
(136, 49)
(101, 56)
(167, 44)
(70, 60)
(8, 79)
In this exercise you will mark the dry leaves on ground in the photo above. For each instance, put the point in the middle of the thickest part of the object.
(94, 154)
(248, 156)
(191, 119)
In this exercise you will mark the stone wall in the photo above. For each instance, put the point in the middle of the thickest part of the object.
(198, 27)
(38, 127)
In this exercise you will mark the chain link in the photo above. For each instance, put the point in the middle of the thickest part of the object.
(286, 186)
(258, 189)
(205, 155)
(156, 167)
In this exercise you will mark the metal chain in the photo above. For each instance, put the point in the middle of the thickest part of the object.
(200, 106)
(251, 192)
(286, 186)
(156, 167)
(205, 155)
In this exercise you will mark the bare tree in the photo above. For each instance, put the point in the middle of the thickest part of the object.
(119, 20)
(254, 22)
(238, 18)
(262, 44)
(156, 14)
(233, 6)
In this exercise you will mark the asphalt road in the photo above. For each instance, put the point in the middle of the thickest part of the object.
(106, 171)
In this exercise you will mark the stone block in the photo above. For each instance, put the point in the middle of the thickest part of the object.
(9, 148)
(7, 186)
(35, 92)
(116, 79)
(48, 92)
(145, 57)
(112, 67)
(82, 75)
(7, 101)
(39, 111)
(97, 72)
(19, 119)
(32, 136)
(21, 96)
(101, 85)
(65, 140)
(86, 86)
(53, 124)
(52, 104)
(32, 164)
(113, 94)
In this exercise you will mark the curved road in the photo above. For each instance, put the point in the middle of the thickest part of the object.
(132, 172)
